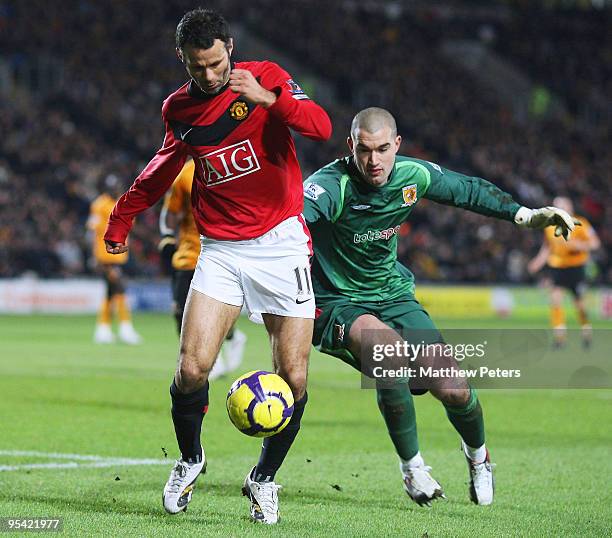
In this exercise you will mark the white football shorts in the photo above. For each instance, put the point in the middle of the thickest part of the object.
(267, 275)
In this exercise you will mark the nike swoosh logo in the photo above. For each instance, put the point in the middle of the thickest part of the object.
(298, 301)
(184, 135)
(361, 207)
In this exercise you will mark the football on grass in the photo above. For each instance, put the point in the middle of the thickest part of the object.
(260, 404)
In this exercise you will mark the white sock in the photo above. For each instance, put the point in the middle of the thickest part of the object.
(415, 461)
(477, 455)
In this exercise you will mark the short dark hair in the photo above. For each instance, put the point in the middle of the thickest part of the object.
(372, 119)
(200, 27)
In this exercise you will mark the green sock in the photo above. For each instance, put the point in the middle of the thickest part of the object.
(397, 408)
(468, 421)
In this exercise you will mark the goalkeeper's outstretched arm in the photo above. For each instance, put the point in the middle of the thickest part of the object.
(481, 196)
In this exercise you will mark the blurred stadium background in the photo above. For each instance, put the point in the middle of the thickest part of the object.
(516, 92)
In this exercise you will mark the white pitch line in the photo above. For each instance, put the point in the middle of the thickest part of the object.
(94, 461)
(74, 465)
(52, 455)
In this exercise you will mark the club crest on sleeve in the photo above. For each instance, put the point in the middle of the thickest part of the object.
(239, 110)
(409, 194)
(313, 191)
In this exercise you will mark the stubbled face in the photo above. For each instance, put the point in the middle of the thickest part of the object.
(374, 154)
(209, 68)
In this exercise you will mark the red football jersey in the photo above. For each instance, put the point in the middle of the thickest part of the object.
(247, 177)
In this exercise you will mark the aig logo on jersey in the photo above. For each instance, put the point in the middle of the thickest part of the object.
(409, 194)
(227, 164)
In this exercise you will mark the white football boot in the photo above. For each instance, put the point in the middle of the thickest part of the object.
(482, 481)
(103, 334)
(420, 486)
(179, 488)
(234, 350)
(264, 499)
(128, 335)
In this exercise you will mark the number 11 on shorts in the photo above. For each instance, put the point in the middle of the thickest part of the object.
(304, 286)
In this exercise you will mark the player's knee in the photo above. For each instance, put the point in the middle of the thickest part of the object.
(297, 380)
(298, 387)
(190, 375)
(455, 397)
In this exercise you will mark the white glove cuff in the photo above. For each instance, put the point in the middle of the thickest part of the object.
(523, 216)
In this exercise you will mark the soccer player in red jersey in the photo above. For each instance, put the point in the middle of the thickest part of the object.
(234, 120)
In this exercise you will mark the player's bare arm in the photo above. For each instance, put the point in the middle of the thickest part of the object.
(243, 82)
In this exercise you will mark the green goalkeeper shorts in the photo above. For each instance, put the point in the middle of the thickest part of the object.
(335, 318)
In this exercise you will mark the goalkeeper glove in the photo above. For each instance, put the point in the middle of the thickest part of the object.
(166, 248)
(563, 222)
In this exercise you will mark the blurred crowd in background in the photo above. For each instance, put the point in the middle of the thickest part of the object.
(97, 72)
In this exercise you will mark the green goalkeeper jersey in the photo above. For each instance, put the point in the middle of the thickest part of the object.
(355, 226)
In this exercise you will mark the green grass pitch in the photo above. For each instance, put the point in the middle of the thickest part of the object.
(60, 394)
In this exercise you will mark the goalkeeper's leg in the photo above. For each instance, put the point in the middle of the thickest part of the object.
(397, 408)
(465, 414)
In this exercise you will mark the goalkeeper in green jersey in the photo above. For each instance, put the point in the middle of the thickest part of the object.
(365, 298)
